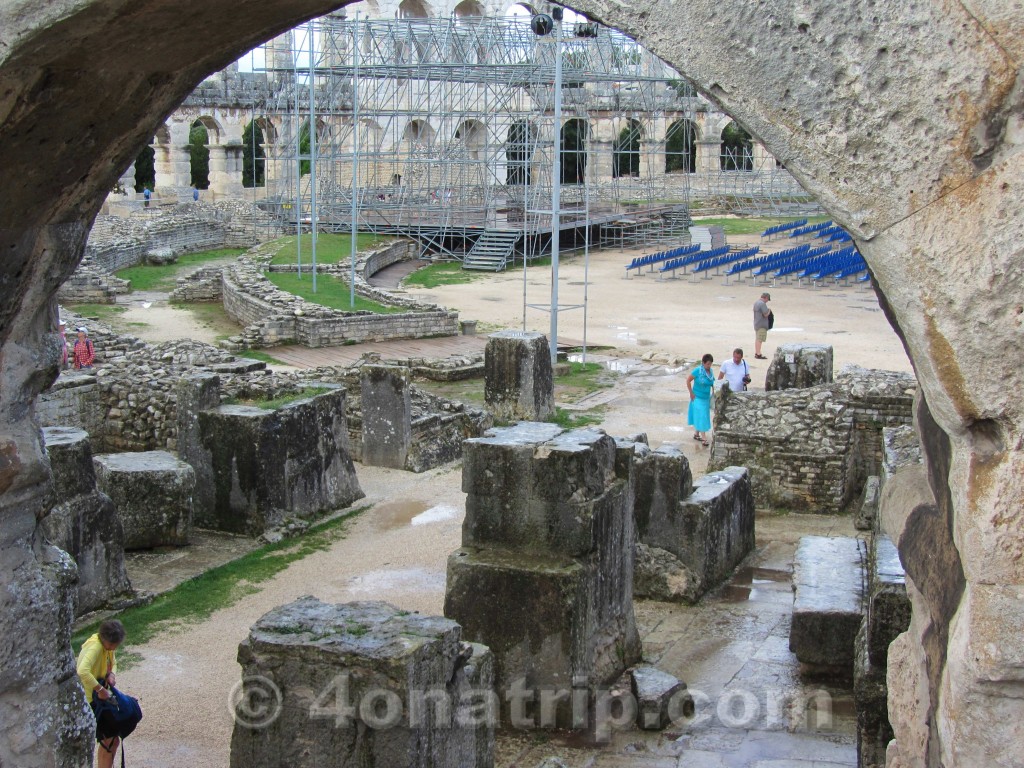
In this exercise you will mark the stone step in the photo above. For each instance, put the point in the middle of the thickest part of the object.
(888, 606)
(828, 593)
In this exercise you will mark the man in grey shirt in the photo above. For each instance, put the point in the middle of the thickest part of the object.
(762, 321)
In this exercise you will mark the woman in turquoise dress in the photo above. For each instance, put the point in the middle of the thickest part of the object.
(700, 382)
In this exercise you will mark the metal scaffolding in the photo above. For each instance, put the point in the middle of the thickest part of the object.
(444, 129)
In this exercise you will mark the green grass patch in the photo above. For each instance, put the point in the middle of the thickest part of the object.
(255, 354)
(751, 226)
(275, 403)
(149, 277)
(574, 419)
(581, 380)
(102, 312)
(442, 273)
(330, 248)
(331, 292)
(196, 600)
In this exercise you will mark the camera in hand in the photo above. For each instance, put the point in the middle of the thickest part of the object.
(747, 379)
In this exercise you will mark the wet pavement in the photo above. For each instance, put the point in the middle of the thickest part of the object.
(753, 708)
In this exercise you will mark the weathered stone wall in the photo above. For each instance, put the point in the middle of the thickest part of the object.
(811, 449)
(368, 652)
(545, 573)
(272, 316)
(204, 284)
(83, 521)
(74, 400)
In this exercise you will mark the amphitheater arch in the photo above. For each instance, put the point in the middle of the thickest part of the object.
(737, 149)
(626, 150)
(413, 9)
(575, 134)
(932, 197)
(469, 9)
(681, 139)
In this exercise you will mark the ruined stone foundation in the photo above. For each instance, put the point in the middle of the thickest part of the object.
(545, 573)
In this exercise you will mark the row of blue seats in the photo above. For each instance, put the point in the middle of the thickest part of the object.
(814, 261)
(721, 261)
(850, 265)
(681, 263)
(840, 237)
(783, 227)
(776, 264)
(762, 264)
(811, 229)
(649, 260)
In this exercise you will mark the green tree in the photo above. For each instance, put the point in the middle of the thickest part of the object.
(304, 147)
(626, 151)
(574, 152)
(254, 163)
(145, 169)
(199, 151)
(680, 139)
(737, 149)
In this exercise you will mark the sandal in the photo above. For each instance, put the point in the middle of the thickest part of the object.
(761, 357)
(705, 443)
(697, 437)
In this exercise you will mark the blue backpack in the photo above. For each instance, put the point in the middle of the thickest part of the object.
(123, 710)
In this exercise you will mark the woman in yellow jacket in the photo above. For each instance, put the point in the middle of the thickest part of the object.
(97, 668)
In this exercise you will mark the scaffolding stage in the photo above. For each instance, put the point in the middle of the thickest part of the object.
(456, 133)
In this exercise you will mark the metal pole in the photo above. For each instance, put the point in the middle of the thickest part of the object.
(355, 159)
(556, 191)
(298, 162)
(312, 155)
(586, 247)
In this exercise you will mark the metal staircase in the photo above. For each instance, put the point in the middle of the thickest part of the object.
(492, 250)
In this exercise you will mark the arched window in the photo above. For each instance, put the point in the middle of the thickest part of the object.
(471, 134)
(412, 9)
(680, 147)
(737, 149)
(418, 134)
(254, 157)
(469, 9)
(519, 149)
(574, 151)
(145, 169)
(626, 151)
(199, 155)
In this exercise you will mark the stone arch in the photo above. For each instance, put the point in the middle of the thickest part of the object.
(469, 9)
(681, 139)
(626, 149)
(418, 133)
(472, 135)
(575, 134)
(520, 147)
(920, 172)
(737, 149)
(413, 9)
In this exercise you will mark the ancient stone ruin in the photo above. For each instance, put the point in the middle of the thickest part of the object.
(519, 382)
(362, 685)
(83, 522)
(544, 577)
(926, 180)
(690, 536)
(811, 449)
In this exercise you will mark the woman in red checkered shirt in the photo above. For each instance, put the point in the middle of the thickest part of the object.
(83, 354)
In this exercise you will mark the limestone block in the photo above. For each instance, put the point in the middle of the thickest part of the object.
(902, 448)
(545, 575)
(708, 533)
(888, 607)
(83, 521)
(152, 493)
(269, 465)
(654, 692)
(870, 699)
(797, 366)
(828, 574)
(518, 378)
(867, 510)
(387, 415)
(197, 393)
(663, 479)
(361, 685)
